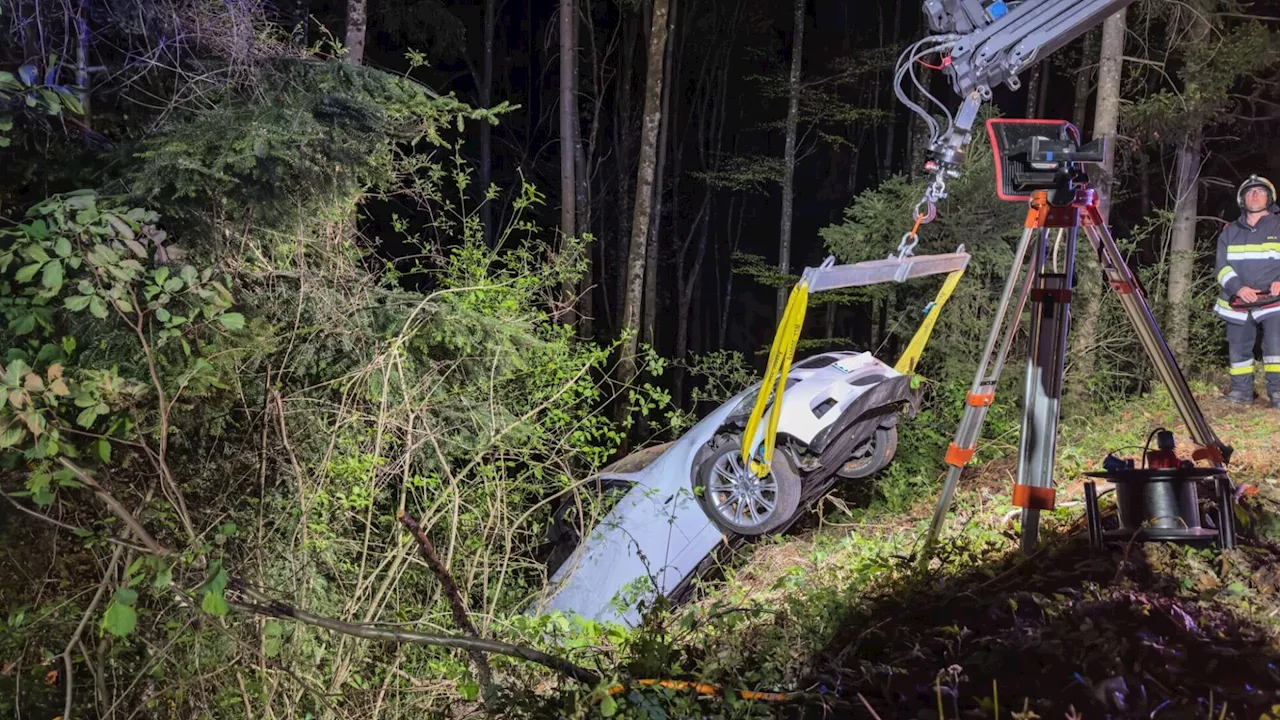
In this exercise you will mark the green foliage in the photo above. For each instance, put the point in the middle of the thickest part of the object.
(31, 93)
(326, 131)
(274, 435)
(1210, 72)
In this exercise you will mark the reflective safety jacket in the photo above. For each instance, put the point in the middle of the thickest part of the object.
(1248, 257)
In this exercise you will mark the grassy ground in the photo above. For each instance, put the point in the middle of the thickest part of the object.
(839, 611)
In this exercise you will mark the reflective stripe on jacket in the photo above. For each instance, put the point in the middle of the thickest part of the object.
(1247, 257)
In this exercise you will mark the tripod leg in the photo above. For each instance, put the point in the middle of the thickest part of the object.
(1050, 321)
(982, 392)
(1139, 313)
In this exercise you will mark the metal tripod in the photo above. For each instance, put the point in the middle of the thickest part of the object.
(1050, 296)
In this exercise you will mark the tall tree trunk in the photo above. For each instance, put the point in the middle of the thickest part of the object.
(1186, 168)
(582, 190)
(686, 302)
(891, 127)
(1106, 116)
(644, 192)
(568, 103)
(486, 130)
(357, 11)
(665, 139)
(789, 154)
(1084, 80)
(1035, 80)
(568, 143)
(734, 235)
(624, 142)
(1089, 286)
(1183, 240)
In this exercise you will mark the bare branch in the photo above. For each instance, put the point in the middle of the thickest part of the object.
(483, 672)
(272, 608)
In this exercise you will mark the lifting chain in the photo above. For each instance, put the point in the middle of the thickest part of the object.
(925, 211)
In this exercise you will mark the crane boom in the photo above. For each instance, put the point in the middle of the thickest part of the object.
(986, 43)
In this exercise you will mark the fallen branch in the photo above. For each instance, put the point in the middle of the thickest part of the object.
(264, 605)
(458, 607)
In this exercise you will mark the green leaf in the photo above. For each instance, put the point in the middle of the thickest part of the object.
(73, 103)
(120, 620)
(42, 497)
(271, 647)
(76, 303)
(26, 272)
(214, 604)
(23, 324)
(37, 253)
(218, 582)
(98, 308)
(38, 229)
(608, 706)
(27, 73)
(126, 596)
(172, 285)
(61, 246)
(232, 321)
(104, 450)
(272, 628)
(164, 576)
(469, 689)
(12, 434)
(51, 278)
(86, 417)
(162, 315)
(124, 231)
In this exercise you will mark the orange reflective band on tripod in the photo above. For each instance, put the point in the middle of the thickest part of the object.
(1212, 453)
(958, 456)
(979, 399)
(1122, 287)
(1036, 214)
(1034, 498)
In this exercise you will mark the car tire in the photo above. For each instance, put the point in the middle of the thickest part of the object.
(781, 488)
(884, 443)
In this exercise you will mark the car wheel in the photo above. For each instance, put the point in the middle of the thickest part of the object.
(871, 456)
(736, 499)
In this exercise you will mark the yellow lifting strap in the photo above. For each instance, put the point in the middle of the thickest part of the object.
(780, 357)
(911, 356)
(783, 352)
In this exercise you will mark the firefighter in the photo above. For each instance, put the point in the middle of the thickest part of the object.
(1249, 272)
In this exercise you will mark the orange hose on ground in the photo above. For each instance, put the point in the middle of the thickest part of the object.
(708, 689)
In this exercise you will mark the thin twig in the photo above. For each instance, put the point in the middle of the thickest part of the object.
(867, 705)
(118, 509)
(72, 528)
(84, 620)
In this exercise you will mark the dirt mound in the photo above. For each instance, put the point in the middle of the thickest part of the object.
(1148, 629)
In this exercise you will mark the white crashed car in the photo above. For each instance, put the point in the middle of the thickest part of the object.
(838, 420)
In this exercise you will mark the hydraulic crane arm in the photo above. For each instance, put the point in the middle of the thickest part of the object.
(1000, 39)
(985, 43)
